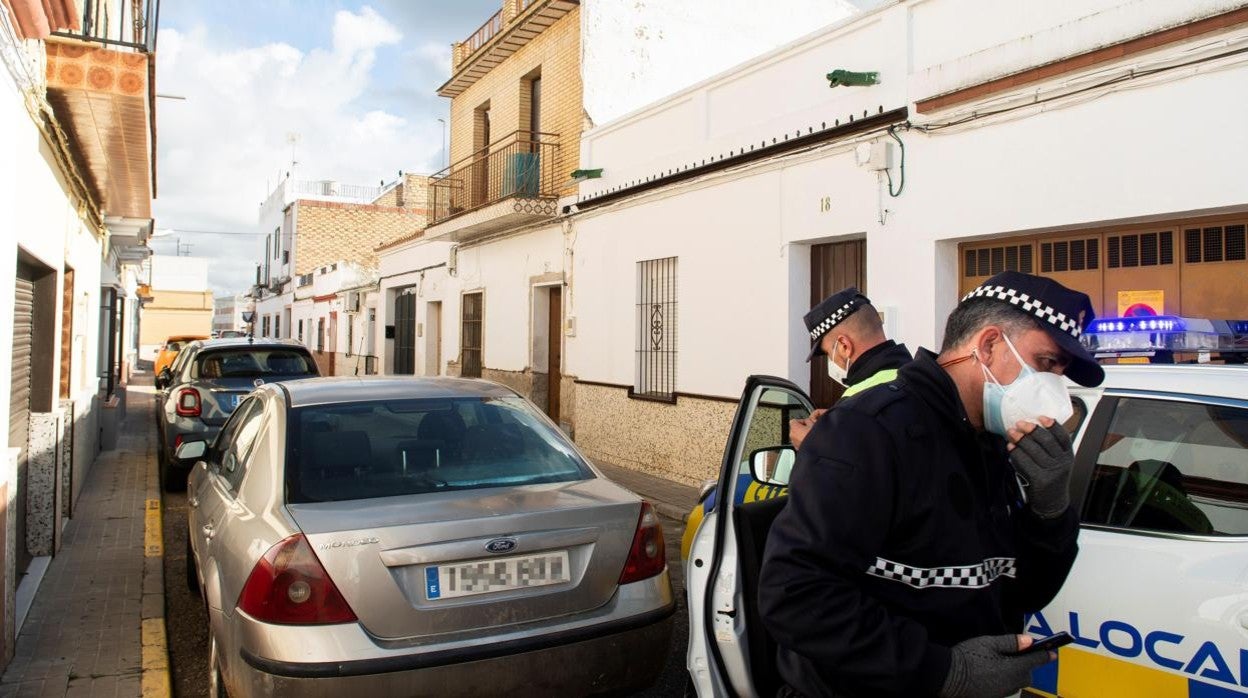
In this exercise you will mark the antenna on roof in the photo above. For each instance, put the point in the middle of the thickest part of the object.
(293, 139)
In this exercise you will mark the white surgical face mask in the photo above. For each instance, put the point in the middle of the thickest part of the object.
(1033, 394)
(835, 371)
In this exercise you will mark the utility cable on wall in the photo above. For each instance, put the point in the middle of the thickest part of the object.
(892, 131)
(1110, 82)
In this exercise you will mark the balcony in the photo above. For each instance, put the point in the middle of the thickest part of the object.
(515, 25)
(100, 85)
(508, 183)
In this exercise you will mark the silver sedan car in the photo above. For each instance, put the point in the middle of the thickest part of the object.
(398, 537)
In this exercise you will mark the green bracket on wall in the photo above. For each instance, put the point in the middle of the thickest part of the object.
(851, 78)
(582, 175)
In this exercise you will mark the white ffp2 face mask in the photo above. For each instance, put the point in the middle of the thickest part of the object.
(1029, 397)
(835, 372)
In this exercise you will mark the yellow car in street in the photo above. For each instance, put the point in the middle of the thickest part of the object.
(169, 352)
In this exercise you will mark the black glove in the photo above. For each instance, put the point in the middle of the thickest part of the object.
(1044, 459)
(989, 666)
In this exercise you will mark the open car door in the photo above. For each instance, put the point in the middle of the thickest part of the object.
(730, 652)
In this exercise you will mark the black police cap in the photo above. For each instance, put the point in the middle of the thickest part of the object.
(1064, 313)
(831, 312)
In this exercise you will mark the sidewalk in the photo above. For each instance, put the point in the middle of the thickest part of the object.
(671, 499)
(96, 627)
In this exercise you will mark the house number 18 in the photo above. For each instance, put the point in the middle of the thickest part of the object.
(825, 204)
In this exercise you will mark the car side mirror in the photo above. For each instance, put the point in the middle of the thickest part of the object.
(163, 378)
(773, 465)
(191, 450)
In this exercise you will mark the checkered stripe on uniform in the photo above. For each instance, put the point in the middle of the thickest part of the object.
(835, 318)
(1028, 304)
(964, 577)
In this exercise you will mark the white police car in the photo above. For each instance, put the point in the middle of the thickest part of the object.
(1158, 597)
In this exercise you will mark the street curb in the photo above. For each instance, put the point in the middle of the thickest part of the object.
(155, 681)
(670, 511)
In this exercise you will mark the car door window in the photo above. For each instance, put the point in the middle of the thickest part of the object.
(237, 453)
(767, 437)
(226, 437)
(180, 363)
(1174, 466)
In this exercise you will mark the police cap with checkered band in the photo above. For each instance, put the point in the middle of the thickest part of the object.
(1064, 313)
(831, 312)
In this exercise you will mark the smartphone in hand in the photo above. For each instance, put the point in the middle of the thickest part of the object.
(1050, 643)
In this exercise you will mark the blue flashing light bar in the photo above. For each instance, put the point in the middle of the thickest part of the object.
(1122, 335)
(1155, 323)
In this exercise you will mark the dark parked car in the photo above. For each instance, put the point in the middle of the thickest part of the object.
(209, 379)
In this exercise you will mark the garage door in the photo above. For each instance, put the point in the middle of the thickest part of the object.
(1199, 265)
(19, 401)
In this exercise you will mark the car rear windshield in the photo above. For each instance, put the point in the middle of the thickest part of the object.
(384, 448)
(252, 362)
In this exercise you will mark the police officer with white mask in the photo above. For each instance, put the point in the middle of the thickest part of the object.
(848, 330)
(928, 516)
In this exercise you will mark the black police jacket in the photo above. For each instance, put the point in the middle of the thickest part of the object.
(903, 536)
(880, 357)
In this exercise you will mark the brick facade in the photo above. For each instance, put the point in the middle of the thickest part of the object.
(328, 232)
(555, 54)
(412, 192)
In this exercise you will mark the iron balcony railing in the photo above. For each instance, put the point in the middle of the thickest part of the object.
(125, 23)
(482, 35)
(521, 166)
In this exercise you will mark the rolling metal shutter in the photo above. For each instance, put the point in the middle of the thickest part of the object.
(19, 400)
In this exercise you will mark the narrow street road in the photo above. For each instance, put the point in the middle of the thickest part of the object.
(187, 623)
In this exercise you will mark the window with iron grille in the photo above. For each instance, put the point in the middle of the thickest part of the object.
(320, 334)
(471, 344)
(1141, 250)
(277, 326)
(986, 261)
(1215, 244)
(656, 329)
(301, 330)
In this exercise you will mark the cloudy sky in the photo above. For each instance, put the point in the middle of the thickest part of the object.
(354, 81)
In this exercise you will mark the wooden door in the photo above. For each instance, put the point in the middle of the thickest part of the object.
(472, 349)
(833, 266)
(554, 353)
(433, 339)
(67, 333)
(405, 334)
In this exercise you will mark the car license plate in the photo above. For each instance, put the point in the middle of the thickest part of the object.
(496, 574)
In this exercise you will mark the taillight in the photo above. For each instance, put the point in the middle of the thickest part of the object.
(648, 556)
(188, 403)
(289, 586)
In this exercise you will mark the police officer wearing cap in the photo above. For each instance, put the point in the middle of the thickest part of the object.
(846, 327)
(926, 518)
